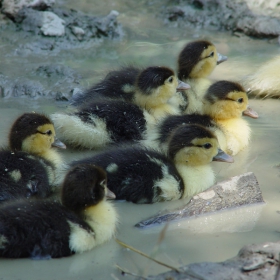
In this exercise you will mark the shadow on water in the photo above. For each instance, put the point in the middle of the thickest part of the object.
(208, 238)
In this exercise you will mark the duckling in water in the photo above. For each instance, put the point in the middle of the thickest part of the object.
(43, 229)
(28, 166)
(223, 104)
(103, 122)
(143, 175)
(150, 89)
(196, 62)
(265, 82)
(226, 102)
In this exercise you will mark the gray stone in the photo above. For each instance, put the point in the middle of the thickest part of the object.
(52, 25)
(237, 191)
(253, 262)
(12, 7)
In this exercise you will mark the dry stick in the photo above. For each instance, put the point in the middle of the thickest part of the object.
(144, 255)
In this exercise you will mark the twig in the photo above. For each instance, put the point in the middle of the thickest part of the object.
(148, 257)
(277, 276)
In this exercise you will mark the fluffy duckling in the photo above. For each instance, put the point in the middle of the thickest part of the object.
(150, 89)
(196, 62)
(226, 102)
(143, 175)
(28, 167)
(265, 82)
(43, 229)
(101, 123)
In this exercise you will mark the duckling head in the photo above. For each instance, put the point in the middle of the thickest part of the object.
(226, 100)
(33, 133)
(195, 145)
(84, 185)
(156, 85)
(198, 59)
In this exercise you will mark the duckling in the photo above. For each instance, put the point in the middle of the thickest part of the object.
(101, 123)
(28, 166)
(196, 62)
(144, 175)
(43, 229)
(226, 102)
(150, 89)
(265, 82)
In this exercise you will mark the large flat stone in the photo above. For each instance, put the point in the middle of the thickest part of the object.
(242, 190)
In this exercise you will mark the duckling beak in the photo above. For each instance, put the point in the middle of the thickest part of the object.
(110, 194)
(222, 156)
(57, 143)
(182, 86)
(249, 112)
(221, 58)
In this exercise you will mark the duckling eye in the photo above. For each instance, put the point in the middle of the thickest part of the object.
(49, 132)
(240, 100)
(207, 146)
(211, 54)
(170, 80)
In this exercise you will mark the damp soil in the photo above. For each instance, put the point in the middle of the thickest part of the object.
(147, 41)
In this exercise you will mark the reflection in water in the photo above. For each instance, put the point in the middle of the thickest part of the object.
(209, 238)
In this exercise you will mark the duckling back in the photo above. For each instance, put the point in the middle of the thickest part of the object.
(101, 123)
(118, 84)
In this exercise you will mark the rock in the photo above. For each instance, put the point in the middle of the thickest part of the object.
(223, 15)
(237, 191)
(253, 262)
(52, 25)
(12, 7)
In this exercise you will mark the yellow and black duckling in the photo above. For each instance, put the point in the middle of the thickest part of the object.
(144, 175)
(265, 82)
(101, 123)
(150, 89)
(28, 166)
(224, 104)
(196, 62)
(41, 229)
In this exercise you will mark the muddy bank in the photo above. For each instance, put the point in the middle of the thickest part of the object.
(238, 17)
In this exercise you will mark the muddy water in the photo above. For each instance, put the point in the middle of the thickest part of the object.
(209, 238)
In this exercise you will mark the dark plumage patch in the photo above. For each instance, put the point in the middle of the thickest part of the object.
(132, 171)
(36, 229)
(169, 124)
(25, 126)
(183, 137)
(89, 193)
(111, 87)
(124, 121)
(221, 89)
(22, 175)
(190, 56)
(152, 78)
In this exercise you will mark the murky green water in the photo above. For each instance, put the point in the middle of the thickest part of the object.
(209, 238)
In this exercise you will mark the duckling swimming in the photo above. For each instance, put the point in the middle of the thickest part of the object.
(196, 62)
(265, 82)
(144, 175)
(101, 123)
(226, 102)
(43, 229)
(150, 89)
(28, 166)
